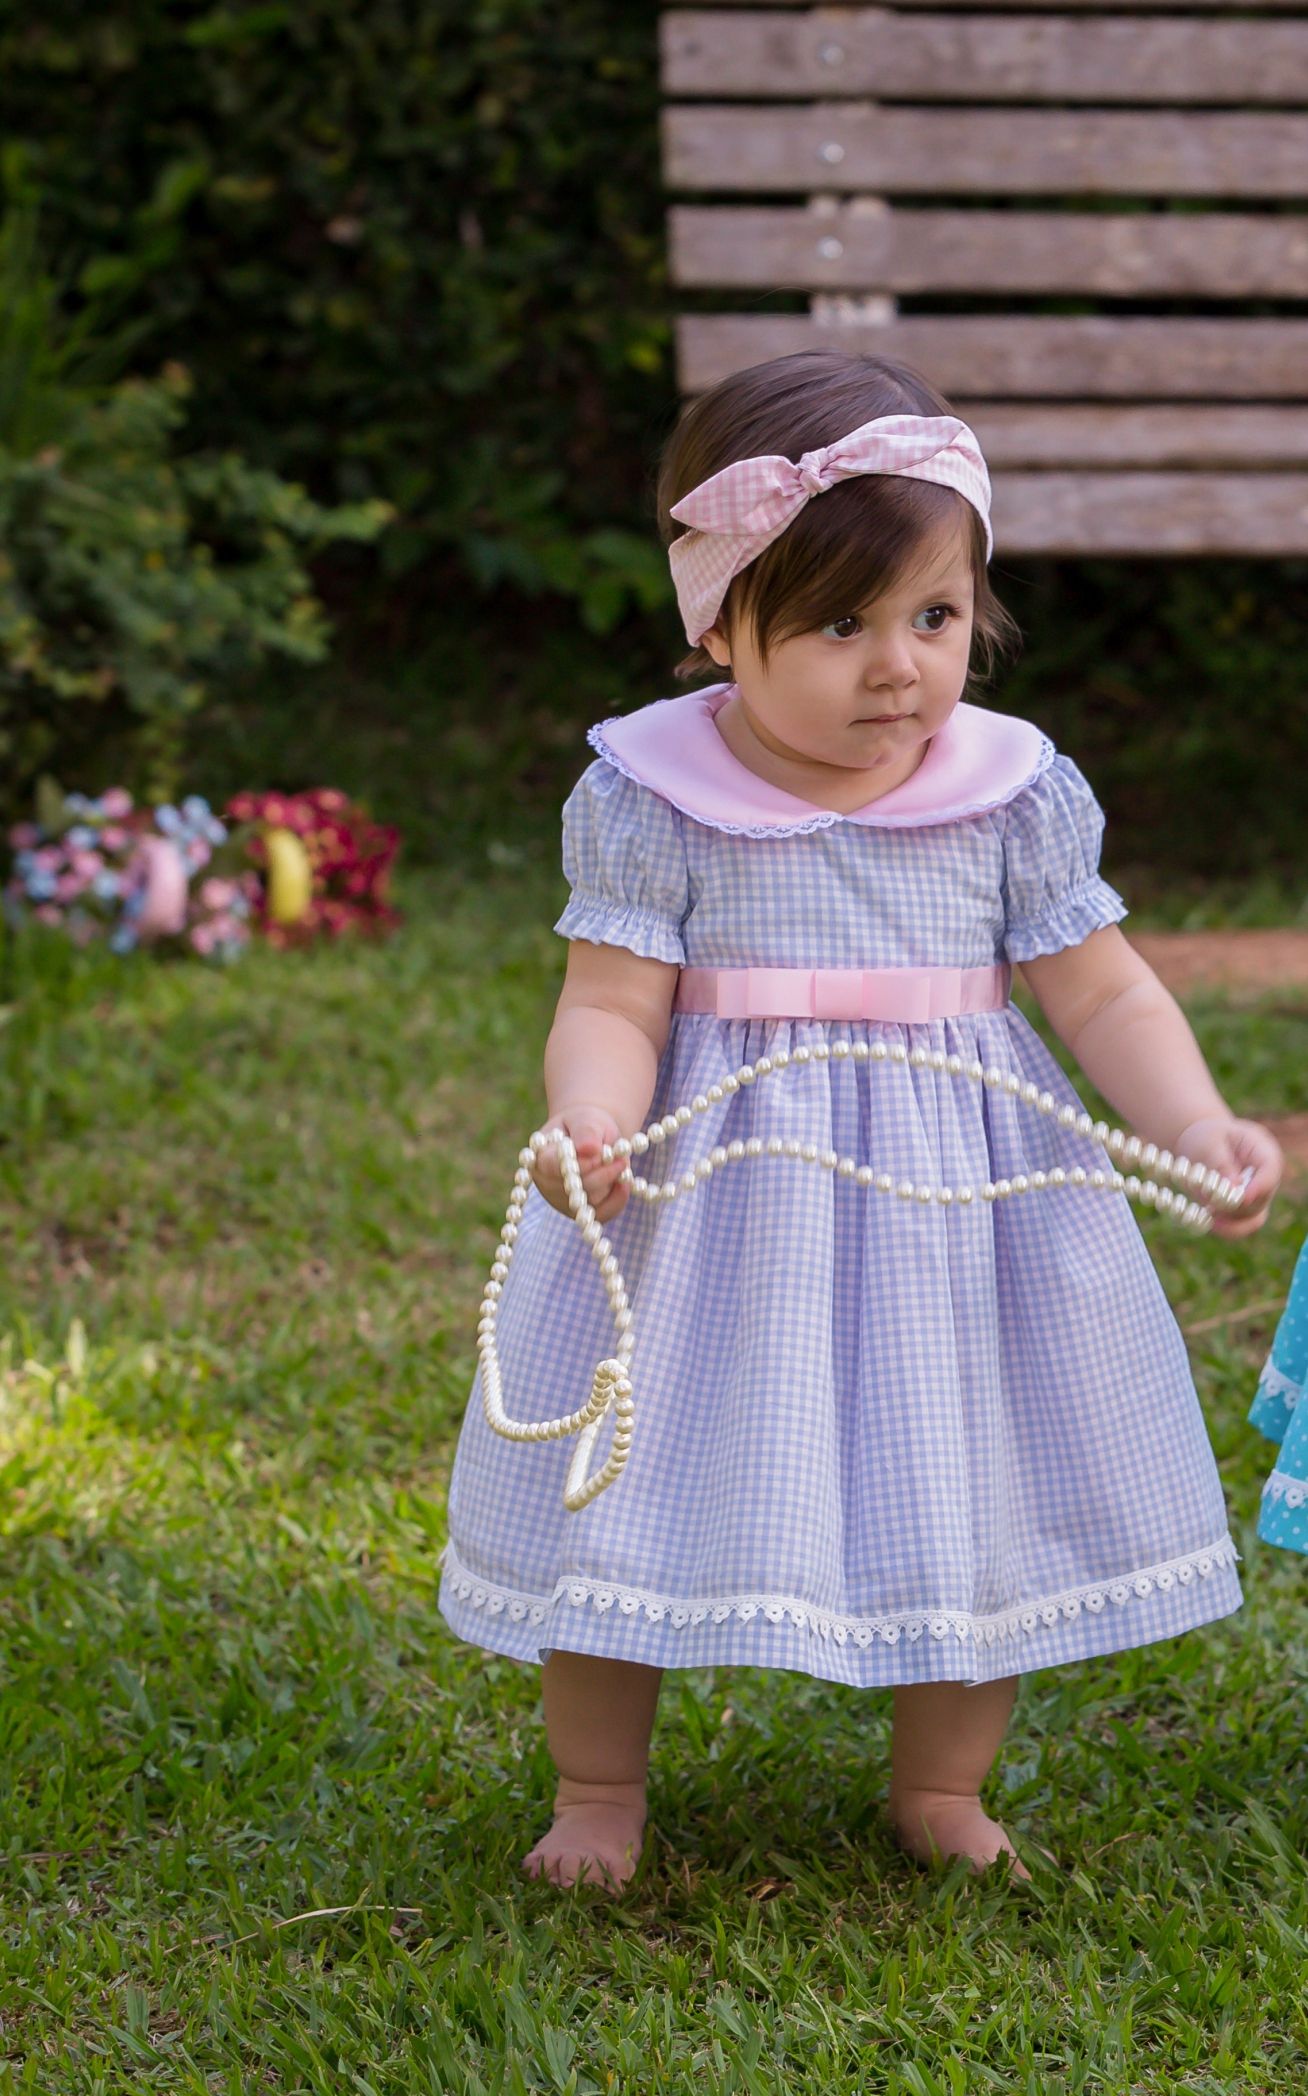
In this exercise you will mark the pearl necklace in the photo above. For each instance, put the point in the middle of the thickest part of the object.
(611, 1384)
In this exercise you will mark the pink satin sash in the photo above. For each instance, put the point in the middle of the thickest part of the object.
(904, 996)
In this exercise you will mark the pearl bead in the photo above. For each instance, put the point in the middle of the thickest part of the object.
(680, 1119)
(864, 1175)
(776, 1147)
(877, 1050)
(882, 1181)
(992, 1076)
(821, 1051)
(937, 1059)
(794, 1148)
(905, 1190)
(730, 1084)
(919, 1057)
(781, 1060)
(1030, 1093)
(687, 1183)
(1039, 1181)
(1046, 1103)
(657, 1132)
(846, 1168)
(745, 1074)
(1077, 1176)
(1099, 1180)
(840, 1050)
(754, 1146)
(699, 1104)
(499, 1270)
(861, 1051)
(639, 1144)
(924, 1194)
(809, 1152)
(1132, 1149)
(714, 1095)
(945, 1196)
(717, 1156)
(898, 1052)
(763, 1067)
(1020, 1183)
(799, 1055)
(829, 1160)
(668, 1190)
(988, 1192)
(954, 1065)
(1003, 1187)
(976, 1071)
(1068, 1117)
(1013, 1083)
(735, 1151)
(704, 1169)
(963, 1196)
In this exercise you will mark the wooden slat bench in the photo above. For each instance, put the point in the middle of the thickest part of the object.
(899, 165)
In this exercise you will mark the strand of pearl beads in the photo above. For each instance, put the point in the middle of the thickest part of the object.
(611, 1385)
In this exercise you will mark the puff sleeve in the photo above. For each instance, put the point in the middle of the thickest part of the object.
(1054, 896)
(626, 865)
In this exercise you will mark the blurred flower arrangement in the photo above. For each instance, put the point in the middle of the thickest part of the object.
(324, 866)
(284, 867)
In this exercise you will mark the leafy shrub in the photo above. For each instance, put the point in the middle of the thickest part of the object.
(132, 575)
(409, 250)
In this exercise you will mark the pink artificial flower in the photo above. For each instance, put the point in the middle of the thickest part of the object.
(48, 913)
(86, 864)
(217, 894)
(49, 859)
(226, 928)
(113, 838)
(24, 835)
(204, 937)
(115, 802)
(69, 886)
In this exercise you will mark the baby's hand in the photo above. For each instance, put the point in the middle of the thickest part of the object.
(589, 1127)
(1236, 1147)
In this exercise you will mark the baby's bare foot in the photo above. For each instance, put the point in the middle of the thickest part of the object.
(930, 1823)
(595, 1838)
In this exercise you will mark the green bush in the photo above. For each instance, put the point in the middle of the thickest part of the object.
(409, 250)
(132, 575)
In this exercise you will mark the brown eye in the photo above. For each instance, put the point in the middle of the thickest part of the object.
(937, 617)
(843, 629)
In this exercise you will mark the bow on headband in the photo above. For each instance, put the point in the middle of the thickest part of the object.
(739, 512)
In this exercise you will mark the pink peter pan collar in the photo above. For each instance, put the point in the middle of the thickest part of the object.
(978, 761)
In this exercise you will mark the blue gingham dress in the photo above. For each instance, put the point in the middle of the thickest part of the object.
(876, 1442)
(1280, 1410)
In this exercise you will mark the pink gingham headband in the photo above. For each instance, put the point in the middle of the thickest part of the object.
(739, 512)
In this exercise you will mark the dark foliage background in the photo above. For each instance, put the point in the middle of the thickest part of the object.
(414, 251)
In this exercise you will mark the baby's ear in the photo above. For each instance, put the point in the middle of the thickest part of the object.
(718, 646)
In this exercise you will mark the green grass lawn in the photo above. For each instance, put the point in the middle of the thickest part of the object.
(261, 1816)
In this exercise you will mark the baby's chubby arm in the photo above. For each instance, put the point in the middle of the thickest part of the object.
(1134, 1043)
(601, 1060)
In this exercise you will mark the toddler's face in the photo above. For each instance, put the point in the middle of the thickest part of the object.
(867, 692)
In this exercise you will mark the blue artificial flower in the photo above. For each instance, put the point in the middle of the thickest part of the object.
(41, 885)
(122, 939)
(80, 837)
(23, 863)
(77, 804)
(107, 886)
(168, 822)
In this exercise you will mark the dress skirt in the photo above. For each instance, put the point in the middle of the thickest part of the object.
(1280, 1410)
(877, 1441)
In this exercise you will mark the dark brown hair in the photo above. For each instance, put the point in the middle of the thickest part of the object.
(862, 536)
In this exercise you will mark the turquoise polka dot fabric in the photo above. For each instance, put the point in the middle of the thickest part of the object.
(1280, 1410)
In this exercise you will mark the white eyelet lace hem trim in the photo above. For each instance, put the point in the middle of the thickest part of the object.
(1274, 1382)
(1292, 1490)
(852, 1630)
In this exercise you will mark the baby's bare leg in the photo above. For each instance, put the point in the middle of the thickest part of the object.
(599, 1714)
(946, 1737)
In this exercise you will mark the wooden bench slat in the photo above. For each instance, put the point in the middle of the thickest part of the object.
(1221, 255)
(980, 58)
(1116, 7)
(1028, 356)
(1036, 435)
(1151, 513)
(845, 146)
